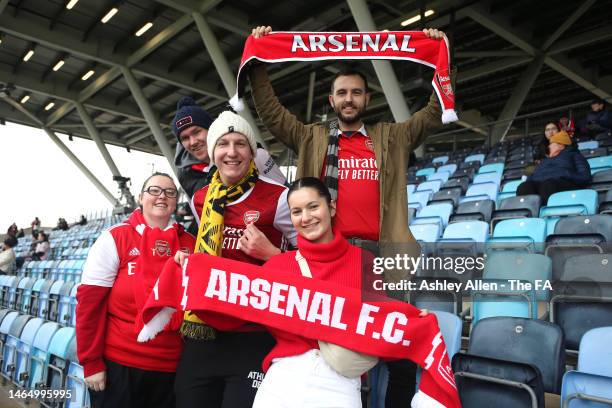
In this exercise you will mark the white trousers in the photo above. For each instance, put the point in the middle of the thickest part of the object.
(307, 381)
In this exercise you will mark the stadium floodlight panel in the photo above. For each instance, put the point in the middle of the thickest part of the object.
(71, 4)
(59, 64)
(144, 29)
(25, 98)
(49, 106)
(28, 55)
(416, 18)
(109, 15)
(87, 75)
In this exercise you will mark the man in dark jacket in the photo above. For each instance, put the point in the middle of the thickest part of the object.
(564, 169)
(598, 120)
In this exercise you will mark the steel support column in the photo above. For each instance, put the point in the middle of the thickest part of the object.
(64, 149)
(223, 69)
(93, 132)
(149, 115)
(519, 94)
(384, 70)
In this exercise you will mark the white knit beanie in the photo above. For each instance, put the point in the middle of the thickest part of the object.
(228, 122)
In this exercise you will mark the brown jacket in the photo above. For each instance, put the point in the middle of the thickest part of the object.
(393, 143)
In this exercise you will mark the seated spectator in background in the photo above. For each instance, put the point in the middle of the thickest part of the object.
(21, 233)
(83, 220)
(61, 225)
(564, 169)
(41, 251)
(568, 125)
(35, 224)
(598, 121)
(12, 230)
(7, 256)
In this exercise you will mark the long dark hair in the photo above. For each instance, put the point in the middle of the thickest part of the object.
(311, 182)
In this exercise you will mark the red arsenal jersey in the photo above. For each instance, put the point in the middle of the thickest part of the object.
(265, 205)
(358, 204)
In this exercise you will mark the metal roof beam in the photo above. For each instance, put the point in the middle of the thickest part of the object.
(567, 23)
(580, 40)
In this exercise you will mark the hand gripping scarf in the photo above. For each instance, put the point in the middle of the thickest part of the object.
(382, 45)
(210, 234)
(156, 247)
(310, 308)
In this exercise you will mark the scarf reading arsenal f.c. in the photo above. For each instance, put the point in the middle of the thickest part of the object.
(156, 247)
(310, 308)
(389, 45)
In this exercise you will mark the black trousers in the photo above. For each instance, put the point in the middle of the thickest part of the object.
(221, 373)
(128, 387)
(546, 188)
(402, 383)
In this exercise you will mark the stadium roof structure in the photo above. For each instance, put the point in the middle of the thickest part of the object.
(78, 67)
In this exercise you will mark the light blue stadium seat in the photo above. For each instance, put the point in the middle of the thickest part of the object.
(39, 357)
(493, 167)
(440, 159)
(426, 171)
(566, 203)
(491, 177)
(9, 344)
(519, 233)
(481, 191)
(8, 283)
(23, 294)
(600, 163)
(442, 176)
(426, 232)
(61, 350)
(505, 300)
(592, 380)
(434, 213)
(476, 231)
(432, 186)
(73, 304)
(475, 157)
(449, 168)
(41, 285)
(418, 199)
(45, 300)
(591, 144)
(23, 350)
(75, 383)
(410, 188)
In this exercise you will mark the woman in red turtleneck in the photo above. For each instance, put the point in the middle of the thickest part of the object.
(297, 373)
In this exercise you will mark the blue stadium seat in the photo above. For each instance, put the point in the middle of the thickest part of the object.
(431, 186)
(426, 232)
(450, 195)
(573, 202)
(475, 157)
(476, 231)
(61, 350)
(582, 297)
(439, 175)
(510, 363)
(501, 266)
(73, 304)
(9, 343)
(591, 144)
(40, 286)
(519, 233)
(590, 385)
(450, 168)
(508, 190)
(39, 357)
(493, 167)
(600, 163)
(74, 381)
(418, 199)
(491, 177)
(426, 171)
(481, 191)
(410, 188)
(434, 214)
(440, 160)
(22, 351)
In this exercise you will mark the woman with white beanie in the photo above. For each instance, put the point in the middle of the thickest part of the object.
(245, 217)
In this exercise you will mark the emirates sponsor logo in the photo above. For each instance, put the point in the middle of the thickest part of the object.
(250, 217)
(134, 252)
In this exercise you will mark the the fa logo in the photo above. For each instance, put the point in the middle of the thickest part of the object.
(250, 217)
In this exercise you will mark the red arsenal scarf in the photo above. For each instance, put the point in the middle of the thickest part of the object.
(310, 308)
(156, 247)
(384, 45)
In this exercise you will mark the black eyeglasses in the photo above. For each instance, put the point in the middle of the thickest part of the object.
(157, 191)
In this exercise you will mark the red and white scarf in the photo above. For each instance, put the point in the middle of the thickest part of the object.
(378, 45)
(310, 308)
(156, 247)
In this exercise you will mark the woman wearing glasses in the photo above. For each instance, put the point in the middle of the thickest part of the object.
(120, 272)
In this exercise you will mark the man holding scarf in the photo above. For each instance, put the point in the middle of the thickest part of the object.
(365, 165)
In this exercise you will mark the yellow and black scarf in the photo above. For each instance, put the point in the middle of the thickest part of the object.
(210, 235)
